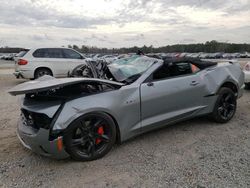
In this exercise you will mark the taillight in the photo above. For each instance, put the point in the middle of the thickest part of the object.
(22, 62)
(247, 67)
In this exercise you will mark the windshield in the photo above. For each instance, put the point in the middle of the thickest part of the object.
(123, 69)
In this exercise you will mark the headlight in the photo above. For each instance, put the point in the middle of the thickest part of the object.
(36, 120)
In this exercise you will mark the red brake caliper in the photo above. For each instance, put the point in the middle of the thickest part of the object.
(100, 131)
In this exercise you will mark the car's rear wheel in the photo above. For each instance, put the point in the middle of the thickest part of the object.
(41, 72)
(247, 85)
(225, 106)
(90, 137)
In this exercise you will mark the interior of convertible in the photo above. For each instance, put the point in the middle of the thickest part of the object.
(172, 68)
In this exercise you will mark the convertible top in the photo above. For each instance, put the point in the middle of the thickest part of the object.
(197, 62)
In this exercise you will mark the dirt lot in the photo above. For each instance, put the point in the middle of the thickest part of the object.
(195, 153)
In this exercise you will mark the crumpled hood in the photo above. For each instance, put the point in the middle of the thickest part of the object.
(47, 82)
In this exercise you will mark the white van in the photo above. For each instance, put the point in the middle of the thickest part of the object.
(56, 62)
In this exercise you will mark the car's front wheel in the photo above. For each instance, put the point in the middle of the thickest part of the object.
(225, 106)
(90, 137)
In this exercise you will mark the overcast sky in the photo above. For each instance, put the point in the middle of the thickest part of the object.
(122, 23)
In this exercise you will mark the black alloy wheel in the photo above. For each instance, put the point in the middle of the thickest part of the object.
(90, 137)
(225, 106)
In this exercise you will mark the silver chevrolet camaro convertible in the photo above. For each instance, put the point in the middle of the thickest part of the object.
(84, 117)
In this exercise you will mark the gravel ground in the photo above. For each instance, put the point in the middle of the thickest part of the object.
(6, 64)
(195, 153)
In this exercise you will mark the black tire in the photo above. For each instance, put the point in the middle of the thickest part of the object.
(247, 85)
(83, 140)
(41, 72)
(225, 106)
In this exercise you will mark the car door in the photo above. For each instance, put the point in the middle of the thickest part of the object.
(53, 59)
(72, 58)
(173, 92)
(48, 58)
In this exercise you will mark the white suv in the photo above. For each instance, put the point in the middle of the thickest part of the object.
(247, 74)
(56, 62)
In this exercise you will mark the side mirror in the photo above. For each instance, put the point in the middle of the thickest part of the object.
(150, 84)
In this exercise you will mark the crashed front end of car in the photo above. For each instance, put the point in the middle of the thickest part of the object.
(34, 128)
(45, 99)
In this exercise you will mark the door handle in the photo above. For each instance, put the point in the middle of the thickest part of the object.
(194, 83)
(150, 84)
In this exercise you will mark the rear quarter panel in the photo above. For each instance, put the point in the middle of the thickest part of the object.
(28, 69)
(216, 76)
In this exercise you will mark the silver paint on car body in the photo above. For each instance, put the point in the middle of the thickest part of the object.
(138, 117)
(140, 106)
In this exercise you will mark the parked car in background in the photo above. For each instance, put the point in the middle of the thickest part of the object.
(247, 74)
(97, 56)
(55, 62)
(109, 58)
(8, 57)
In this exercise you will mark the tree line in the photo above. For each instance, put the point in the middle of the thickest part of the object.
(208, 47)
(10, 50)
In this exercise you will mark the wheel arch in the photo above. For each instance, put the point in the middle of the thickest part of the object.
(42, 68)
(231, 85)
(118, 133)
